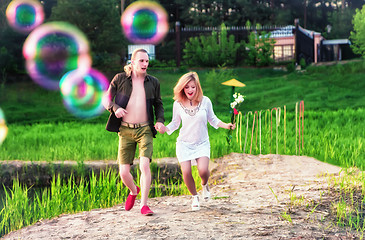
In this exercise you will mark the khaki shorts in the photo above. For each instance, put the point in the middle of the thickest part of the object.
(128, 139)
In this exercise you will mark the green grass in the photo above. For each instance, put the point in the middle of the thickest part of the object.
(41, 129)
(21, 208)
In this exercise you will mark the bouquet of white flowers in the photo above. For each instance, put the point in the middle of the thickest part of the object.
(238, 100)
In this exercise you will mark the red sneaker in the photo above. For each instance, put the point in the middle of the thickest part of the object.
(129, 203)
(145, 210)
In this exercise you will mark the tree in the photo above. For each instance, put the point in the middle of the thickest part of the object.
(358, 34)
(340, 22)
(100, 21)
(11, 43)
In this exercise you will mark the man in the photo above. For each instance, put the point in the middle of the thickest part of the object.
(133, 98)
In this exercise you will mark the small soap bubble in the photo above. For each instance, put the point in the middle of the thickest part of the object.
(24, 15)
(52, 50)
(82, 93)
(145, 22)
(3, 127)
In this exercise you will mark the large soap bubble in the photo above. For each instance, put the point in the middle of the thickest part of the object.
(54, 49)
(145, 22)
(3, 127)
(24, 15)
(82, 93)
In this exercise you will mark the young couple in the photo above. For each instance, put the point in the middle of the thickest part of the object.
(134, 99)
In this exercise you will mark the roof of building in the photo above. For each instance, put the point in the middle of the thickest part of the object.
(336, 42)
(287, 31)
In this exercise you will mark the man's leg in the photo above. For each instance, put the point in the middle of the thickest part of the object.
(145, 181)
(145, 142)
(126, 152)
(127, 178)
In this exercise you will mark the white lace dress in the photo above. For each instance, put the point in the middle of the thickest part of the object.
(193, 139)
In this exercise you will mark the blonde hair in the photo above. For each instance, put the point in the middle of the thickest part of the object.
(179, 94)
(128, 68)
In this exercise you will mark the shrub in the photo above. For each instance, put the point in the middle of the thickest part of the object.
(212, 51)
(260, 49)
(291, 67)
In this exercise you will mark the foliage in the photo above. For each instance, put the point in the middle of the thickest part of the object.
(213, 88)
(11, 59)
(209, 13)
(105, 35)
(290, 66)
(39, 131)
(302, 63)
(340, 22)
(358, 35)
(21, 206)
(7, 64)
(260, 49)
(212, 51)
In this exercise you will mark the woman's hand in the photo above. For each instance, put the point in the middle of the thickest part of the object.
(231, 126)
(160, 127)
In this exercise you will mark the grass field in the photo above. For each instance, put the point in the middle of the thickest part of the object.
(41, 129)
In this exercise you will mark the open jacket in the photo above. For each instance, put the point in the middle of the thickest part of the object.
(120, 90)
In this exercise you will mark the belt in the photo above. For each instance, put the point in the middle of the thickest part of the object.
(134, 125)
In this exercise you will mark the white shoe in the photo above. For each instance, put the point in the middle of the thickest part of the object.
(195, 206)
(206, 192)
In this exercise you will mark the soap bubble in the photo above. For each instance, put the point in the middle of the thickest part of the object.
(145, 22)
(24, 15)
(3, 127)
(82, 93)
(54, 49)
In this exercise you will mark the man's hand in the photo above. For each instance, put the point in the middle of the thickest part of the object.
(121, 112)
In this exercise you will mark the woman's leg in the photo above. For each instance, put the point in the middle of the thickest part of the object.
(188, 177)
(203, 169)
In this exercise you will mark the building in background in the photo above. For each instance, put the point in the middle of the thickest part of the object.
(296, 43)
(148, 47)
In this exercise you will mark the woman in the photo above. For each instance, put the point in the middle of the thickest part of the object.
(192, 147)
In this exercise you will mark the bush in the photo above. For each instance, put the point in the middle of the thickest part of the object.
(211, 51)
(290, 67)
(260, 49)
(107, 62)
(302, 63)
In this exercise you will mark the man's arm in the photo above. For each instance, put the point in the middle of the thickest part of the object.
(158, 105)
(108, 99)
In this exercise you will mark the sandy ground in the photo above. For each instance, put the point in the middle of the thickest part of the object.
(250, 196)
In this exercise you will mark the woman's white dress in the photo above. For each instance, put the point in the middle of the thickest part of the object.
(193, 139)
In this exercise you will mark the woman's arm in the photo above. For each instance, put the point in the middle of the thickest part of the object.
(175, 122)
(226, 125)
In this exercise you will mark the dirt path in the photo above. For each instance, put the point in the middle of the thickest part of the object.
(250, 194)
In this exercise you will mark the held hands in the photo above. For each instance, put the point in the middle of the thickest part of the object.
(121, 112)
(161, 128)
